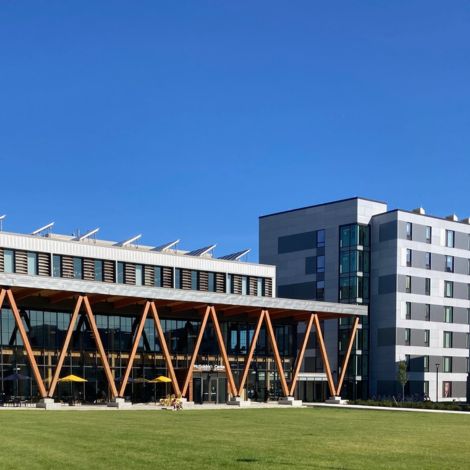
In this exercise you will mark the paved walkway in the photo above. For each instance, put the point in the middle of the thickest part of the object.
(383, 408)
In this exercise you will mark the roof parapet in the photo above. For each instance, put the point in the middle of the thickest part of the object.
(419, 210)
(452, 217)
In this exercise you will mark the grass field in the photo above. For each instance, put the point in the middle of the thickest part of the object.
(258, 438)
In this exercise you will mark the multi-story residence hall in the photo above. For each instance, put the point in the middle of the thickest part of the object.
(120, 315)
(411, 269)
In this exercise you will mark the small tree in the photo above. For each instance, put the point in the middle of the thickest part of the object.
(402, 377)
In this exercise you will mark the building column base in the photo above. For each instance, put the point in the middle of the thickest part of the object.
(238, 401)
(336, 401)
(119, 403)
(289, 401)
(48, 404)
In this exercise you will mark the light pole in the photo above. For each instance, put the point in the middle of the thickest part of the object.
(437, 381)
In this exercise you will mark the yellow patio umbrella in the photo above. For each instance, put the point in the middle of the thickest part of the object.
(139, 380)
(160, 379)
(72, 378)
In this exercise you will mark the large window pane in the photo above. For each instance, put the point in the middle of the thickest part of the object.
(9, 261)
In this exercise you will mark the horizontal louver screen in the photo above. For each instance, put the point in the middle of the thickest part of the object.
(108, 271)
(220, 282)
(253, 286)
(149, 275)
(44, 264)
(67, 266)
(185, 279)
(268, 287)
(21, 262)
(88, 269)
(129, 273)
(2, 263)
(203, 281)
(237, 284)
(167, 274)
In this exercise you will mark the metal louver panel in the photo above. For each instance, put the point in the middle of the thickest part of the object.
(237, 284)
(268, 287)
(185, 279)
(129, 273)
(149, 275)
(67, 266)
(220, 282)
(2, 262)
(253, 286)
(167, 275)
(88, 269)
(203, 281)
(108, 271)
(21, 262)
(44, 264)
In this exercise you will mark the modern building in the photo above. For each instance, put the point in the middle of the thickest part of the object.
(121, 314)
(411, 269)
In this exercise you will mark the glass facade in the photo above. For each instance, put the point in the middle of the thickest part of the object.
(47, 330)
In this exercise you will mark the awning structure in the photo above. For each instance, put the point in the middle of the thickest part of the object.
(34, 292)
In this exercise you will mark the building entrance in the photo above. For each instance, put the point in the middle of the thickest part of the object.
(210, 387)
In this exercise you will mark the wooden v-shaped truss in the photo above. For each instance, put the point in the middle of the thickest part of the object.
(83, 300)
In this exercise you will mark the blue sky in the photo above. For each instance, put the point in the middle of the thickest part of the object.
(190, 119)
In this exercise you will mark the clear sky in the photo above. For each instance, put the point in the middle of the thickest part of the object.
(190, 119)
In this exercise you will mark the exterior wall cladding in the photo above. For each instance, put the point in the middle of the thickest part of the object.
(415, 278)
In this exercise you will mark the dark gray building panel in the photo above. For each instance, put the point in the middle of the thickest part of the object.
(388, 284)
(388, 231)
(462, 240)
(297, 242)
(301, 290)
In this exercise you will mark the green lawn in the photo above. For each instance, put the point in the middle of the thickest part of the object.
(258, 438)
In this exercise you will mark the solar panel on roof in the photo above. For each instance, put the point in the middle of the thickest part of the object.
(166, 246)
(236, 256)
(201, 251)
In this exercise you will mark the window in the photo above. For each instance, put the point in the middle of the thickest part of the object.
(426, 388)
(98, 270)
(320, 294)
(408, 310)
(408, 284)
(157, 276)
(211, 283)
(139, 275)
(56, 268)
(320, 264)
(408, 257)
(408, 361)
(427, 286)
(120, 273)
(8, 261)
(427, 260)
(448, 289)
(244, 285)
(425, 363)
(450, 238)
(409, 231)
(32, 263)
(426, 337)
(449, 264)
(468, 267)
(448, 314)
(177, 278)
(427, 312)
(446, 389)
(448, 339)
(228, 284)
(428, 234)
(320, 238)
(407, 336)
(447, 364)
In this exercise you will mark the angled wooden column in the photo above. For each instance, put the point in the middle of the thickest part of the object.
(277, 357)
(324, 355)
(223, 352)
(300, 356)
(344, 366)
(251, 352)
(196, 351)
(99, 344)
(166, 352)
(65, 346)
(135, 345)
(26, 344)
